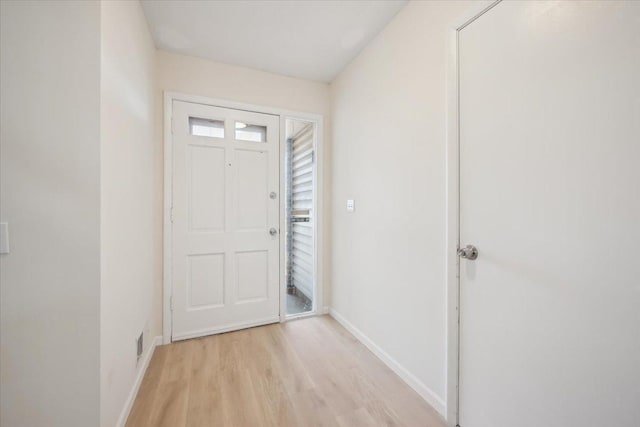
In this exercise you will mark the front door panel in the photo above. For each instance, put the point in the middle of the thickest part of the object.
(225, 233)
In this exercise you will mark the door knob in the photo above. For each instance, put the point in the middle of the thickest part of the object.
(273, 231)
(469, 252)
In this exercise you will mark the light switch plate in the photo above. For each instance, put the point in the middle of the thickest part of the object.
(4, 238)
(351, 205)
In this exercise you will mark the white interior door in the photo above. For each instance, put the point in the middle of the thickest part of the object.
(550, 195)
(225, 219)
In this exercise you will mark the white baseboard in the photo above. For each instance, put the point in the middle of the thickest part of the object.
(325, 310)
(425, 392)
(136, 384)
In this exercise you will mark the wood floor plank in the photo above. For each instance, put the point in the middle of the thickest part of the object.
(205, 394)
(307, 373)
(358, 418)
(172, 395)
(145, 399)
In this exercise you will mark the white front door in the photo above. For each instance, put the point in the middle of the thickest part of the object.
(550, 196)
(225, 238)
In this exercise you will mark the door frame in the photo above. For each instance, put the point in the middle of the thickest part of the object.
(453, 206)
(167, 284)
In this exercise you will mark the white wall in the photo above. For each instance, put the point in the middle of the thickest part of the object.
(202, 77)
(131, 212)
(49, 194)
(389, 144)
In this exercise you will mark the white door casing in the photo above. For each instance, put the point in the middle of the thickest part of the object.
(549, 193)
(225, 261)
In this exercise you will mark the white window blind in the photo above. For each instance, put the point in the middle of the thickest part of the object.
(301, 215)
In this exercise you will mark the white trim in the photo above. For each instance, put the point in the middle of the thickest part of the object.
(319, 211)
(302, 315)
(283, 220)
(453, 209)
(425, 392)
(313, 313)
(169, 97)
(167, 230)
(122, 420)
(225, 103)
(452, 238)
(227, 328)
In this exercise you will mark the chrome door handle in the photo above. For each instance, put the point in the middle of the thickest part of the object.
(469, 252)
(273, 231)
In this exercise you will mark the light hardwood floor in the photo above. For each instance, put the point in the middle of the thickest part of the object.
(308, 372)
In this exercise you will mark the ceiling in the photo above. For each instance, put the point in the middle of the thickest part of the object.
(306, 39)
